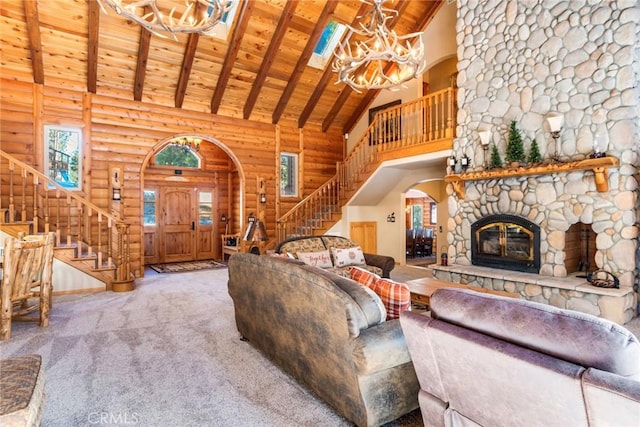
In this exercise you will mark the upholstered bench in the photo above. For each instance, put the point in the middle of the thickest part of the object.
(21, 391)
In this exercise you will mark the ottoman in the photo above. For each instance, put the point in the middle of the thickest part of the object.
(21, 391)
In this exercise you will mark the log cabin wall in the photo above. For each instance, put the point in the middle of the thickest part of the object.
(117, 130)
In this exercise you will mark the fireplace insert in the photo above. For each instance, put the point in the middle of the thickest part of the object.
(506, 241)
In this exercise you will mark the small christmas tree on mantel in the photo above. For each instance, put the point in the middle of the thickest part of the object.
(534, 153)
(515, 149)
(496, 161)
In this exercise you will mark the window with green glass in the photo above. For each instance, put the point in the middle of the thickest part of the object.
(177, 156)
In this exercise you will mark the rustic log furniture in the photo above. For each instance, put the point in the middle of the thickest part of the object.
(22, 385)
(230, 244)
(27, 268)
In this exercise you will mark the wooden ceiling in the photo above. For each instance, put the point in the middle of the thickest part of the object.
(260, 72)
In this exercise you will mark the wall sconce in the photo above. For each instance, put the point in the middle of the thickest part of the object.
(251, 218)
(391, 217)
(452, 162)
(115, 184)
(485, 139)
(465, 161)
(555, 122)
(599, 145)
(223, 218)
(263, 198)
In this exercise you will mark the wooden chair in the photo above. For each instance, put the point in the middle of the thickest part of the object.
(27, 268)
(410, 243)
(230, 244)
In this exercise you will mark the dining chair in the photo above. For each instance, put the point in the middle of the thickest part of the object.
(27, 267)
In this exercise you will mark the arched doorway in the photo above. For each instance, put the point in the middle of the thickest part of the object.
(192, 187)
(425, 222)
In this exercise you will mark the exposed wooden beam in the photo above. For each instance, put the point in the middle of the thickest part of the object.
(92, 46)
(270, 55)
(185, 70)
(232, 53)
(326, 76)
(35, 44)
(304, 59)
(141, 66)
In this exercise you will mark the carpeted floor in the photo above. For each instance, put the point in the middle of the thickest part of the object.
(181, 267)
(163, 355)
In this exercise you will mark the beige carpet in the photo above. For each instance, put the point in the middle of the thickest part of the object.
(166, 354)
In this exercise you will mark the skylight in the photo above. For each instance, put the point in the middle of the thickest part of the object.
(327, 43)
(221, 31)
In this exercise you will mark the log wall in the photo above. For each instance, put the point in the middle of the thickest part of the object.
(121, 132)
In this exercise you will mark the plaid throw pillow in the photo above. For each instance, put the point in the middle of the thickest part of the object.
(395, 296)
(362, 276)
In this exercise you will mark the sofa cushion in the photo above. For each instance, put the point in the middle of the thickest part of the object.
(362, 276)
(309, 244)
(395, 296)
(320, 259)
(338, 242)
(347, 256)
(573, 336)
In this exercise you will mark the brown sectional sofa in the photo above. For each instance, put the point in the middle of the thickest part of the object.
(378, 264)
(485, 360)
(328, 332)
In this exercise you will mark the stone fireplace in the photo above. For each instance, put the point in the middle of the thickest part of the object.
(506, 241)
(520, 61)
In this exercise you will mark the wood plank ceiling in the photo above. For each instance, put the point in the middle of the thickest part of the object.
(259, 72)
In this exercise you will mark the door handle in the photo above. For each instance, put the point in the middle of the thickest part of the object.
(193, 225)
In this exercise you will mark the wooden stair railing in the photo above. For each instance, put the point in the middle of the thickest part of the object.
(32, 202)
(402, 127)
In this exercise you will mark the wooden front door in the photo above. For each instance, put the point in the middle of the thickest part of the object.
(178, 224)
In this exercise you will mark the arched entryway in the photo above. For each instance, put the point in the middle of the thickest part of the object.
(425, 222)
(192, 194)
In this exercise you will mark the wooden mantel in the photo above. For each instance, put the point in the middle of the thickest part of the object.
(598, 166)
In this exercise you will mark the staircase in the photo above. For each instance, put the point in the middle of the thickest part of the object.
(87, 237)
(424, 125)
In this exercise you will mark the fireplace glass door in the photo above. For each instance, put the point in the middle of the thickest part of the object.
(505, 240)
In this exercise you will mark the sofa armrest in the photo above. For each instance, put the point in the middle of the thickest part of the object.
(386, 263)
(611, 399)
(380, 347)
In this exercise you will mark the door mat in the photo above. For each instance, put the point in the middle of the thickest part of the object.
(179, 267)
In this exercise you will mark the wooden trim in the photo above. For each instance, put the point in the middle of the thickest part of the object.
(92, 46)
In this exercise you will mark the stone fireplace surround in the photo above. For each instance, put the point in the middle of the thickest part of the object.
(521, 60)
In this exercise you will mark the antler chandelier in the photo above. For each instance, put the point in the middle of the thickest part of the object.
(379, 58)
(189, 21)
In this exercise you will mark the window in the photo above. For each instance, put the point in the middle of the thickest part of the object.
(149, 208)
(222, 29)
(326, 44)
(177, 155)
(205, 208)
(434, 213)
(62, 158)
(416, 216)
(288, 175)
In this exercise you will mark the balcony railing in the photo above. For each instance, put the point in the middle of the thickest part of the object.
(417, 123)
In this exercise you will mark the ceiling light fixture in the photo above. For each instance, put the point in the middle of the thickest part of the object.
(365, 64)
(187, 142)
(150, 16)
